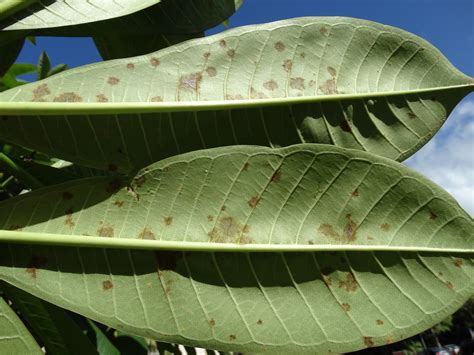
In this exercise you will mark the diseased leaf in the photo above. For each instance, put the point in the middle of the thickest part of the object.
(79, 18)
(58, 332)
(15, 339)
(310, 248)
(341, 81)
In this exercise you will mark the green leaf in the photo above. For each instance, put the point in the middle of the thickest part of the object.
(79, 18)
(10, 46)
(341, 81)
(307, 248)
(44, 66)
(53, 326)
(57, 69)
(10, 7)
(15, 338)
(10, 79)
(117, 45)
(104, 346)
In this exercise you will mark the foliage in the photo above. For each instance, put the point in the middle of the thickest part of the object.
(240, 192)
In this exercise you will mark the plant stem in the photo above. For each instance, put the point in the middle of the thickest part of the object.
(10, 7)
(18, 172)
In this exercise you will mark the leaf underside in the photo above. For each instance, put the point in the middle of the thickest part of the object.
(15, 338)
(79, 18)
(341, 81)
(276, 301)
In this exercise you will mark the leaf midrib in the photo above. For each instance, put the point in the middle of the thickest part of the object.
(79, 108)
(54, 239)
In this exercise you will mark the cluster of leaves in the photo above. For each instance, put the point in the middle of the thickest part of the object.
(245, 191)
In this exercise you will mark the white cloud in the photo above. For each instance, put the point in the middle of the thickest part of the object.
(448, 159)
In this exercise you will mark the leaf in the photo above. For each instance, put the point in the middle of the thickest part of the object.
(53, 326)
(113, 45)
(57, 69)
(10, 79)
(10, 46)
(104, 346)
(276, 84)
(44, 66)
(307, 248)
(15, 338)
(10, 7)
(79, 18)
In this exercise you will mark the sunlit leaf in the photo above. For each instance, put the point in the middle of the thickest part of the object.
(308, 248)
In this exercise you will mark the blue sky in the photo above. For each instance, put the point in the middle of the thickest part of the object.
(447, 24)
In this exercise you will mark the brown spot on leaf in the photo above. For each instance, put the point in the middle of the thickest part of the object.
(168, 220)
(270, 85)
(385, 227)
(346, 307)
(212, 322)
(156, 99)
(190, 82)
(107, 285)
(280, 46)
(457, 262)
(355, 193)
(449, 284)
(246, 166)
(345, 126)
(130, 66)
(68, 97)
(329, 87)
(112, 80)
(231, 53)
(440, 273)
(146, 233)
(69, 221)
(348, 234)
(106, 231)
(232, 337)
(276, 177)
(311, 242)
(253, 202)
(332, 71)
(379, 322)
(36, 262)
(67, 195)
(370, 238)
(433, 215)
(154, 62)
(131, 191)
(101, 98)
(368, 341)
(287, 65)
(223, 208)
(297, 83)
(139, 180)
(312, 83)
(206, 55)
(349, 284)
(411, 114)
(254, 94)
(323, 30)
(118, 203)
(40, 92)
(228, 230)
(259, 322)
(211, 71)
(222, 43)
(390, 340)
(210, 218)
(302, 55)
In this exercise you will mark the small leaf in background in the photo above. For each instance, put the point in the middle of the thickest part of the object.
(57, 69)
(10, 79)
(15, 337)
(44, 66)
